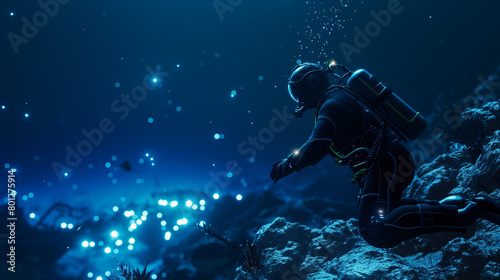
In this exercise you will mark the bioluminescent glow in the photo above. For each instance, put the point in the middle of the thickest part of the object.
(233, 93)
(168, 235)
(189, 203)
(163, 223)
(107, 164)
(176, 228)
(130, 247)
(26, 115)
(138, 222)
(92, 243)
(90, 275)
(117, 84)
(174, 203)
(107, 250)
(195, 207)
(201, 224)
(118, 242)
(239, 197)
(3, 107)
(32, 215)
(129, 213)
(115, 209)
(150, 120)
(85, 244)
(131, 240)
(229, 174)
(159, 215)
(216, 196)
(202, 202)
(178, 108)
(261, 78)
(64, 225)
(114, 234)
(70, 226)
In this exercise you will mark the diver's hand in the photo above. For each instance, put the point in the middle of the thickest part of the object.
(281, 169)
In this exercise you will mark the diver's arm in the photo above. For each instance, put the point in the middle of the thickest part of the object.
(316, 148)
(313, 151)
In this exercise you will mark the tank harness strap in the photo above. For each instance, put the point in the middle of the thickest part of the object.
(425, 215)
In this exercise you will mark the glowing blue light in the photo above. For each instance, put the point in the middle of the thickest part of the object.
(178, 65)
(108, 165)
(163, 223)
(222, 136)
(189, 203)
(155, 80)
(159, 215)
(147, 154)
(239, 197)
(115, 208)
(90, 275)
(3, 107)
(114, 158)
(202, 208)
(119, 242)
(202, 202)
(176, 228)
(168, 235)
(150, 120)
(154, 276)
(252, 160)
(299, 61)
(195, 207)
(114, 234)
(107, 250)
(117, 84)
(130, 247)
(64, 225)
(96, 218)
(217, 136)
(7, 166)
(25, 197)
(100, 243)
(145, 213)
(26, 115)
(151, 159)
(31, 195)
(216, 196)
(92, 243)
(131, 240)
(178, 109)
(233, 94)
(141, 160)
(201, 224)
(174, 203)
(32, 215)
(107, 274)
(261, 78)
(11, 14)
(85, 244)
(70, 226)
(229, 174)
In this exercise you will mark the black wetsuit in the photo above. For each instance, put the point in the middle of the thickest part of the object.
(385, 219)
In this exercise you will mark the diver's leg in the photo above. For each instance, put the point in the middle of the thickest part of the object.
(410, 219)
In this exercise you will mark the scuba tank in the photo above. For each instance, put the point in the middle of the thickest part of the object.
(384, 104)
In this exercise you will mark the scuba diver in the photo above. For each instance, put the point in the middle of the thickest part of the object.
(361, 123)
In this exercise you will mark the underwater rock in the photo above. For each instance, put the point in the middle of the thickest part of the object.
(471, 166)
